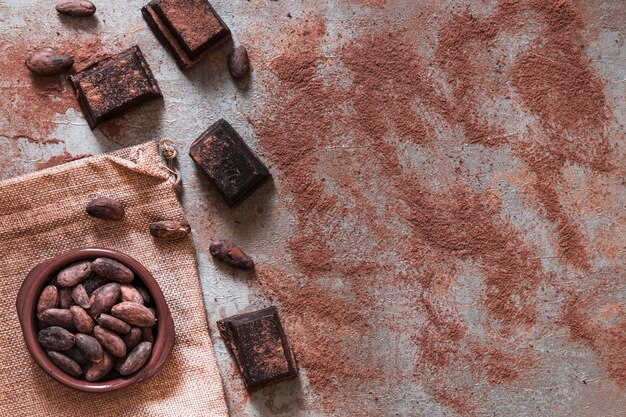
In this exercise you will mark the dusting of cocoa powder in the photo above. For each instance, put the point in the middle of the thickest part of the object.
(60, 159)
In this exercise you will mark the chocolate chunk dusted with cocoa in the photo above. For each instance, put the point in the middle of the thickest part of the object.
(188, 28)
(114, 85)
(259, 345)
(229, 163)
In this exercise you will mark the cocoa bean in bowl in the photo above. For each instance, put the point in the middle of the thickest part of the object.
(113, 331)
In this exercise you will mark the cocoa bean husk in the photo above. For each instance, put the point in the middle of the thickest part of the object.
(99, 370)
(144, 294)
(103, 299)
(89, 346)
(134, 314)
(133, 337)
(48, 62)
(113, 270)
(76, 8)
(76, 355)
(136, 359)
(94, 282)
(49, 298)
(170, 230)
(55, 338)
(110, 341)
(239, 63)
(81, 319)
(80, 297)
(113, 323)
(57, 317)
(74, 274)
(66, 364)
(130, 293)
(65, 298)
(227, 251)
(106, 208)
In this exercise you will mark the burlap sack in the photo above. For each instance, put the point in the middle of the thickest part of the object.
(43, 214)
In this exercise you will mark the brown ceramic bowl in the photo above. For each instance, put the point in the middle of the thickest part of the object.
(43, 273)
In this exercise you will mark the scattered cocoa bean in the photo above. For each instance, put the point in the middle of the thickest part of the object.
(48, 62)
(80, 297)
(74, 274)
(76, 8)
(239, 63)
(112, 323)
(226, 251)
(144, 294)
(136, 359)
(113, 270)
(130, 293)
(55, 338)
(65, 363)
(106, 209)
(147, 334)
(57, 317)
(90, 347)
(93, 282)
(76, 355)
(49, 298)
(134, 313)
(133, 337)
(170, 230)
(103, 299)
(65, 298)
(100, 369)
(110, 341)
(82, 321)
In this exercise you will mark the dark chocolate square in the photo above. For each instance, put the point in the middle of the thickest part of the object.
(188, 28)
(114, 85)
(229, 163)
(259, 345)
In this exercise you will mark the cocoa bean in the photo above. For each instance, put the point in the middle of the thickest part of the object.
(80, 297)
(144, 294)
(106, 209)
(133, 337)
(239, 63)
(94, 282)
(76, 355)
(130, 293)
(103, 299)
(112, 323)
(134, 313)
(48, 62)
(76, 8)
(170, 230)
(136, 359)
(110, 341)
(91, 348)
(82, 321)
(65, 363)
(226, 251)
(55, 338)
(65, 298)
(100, 369)
(113, 270)
(74, 274)
(147, 334)
(57, 317)
(49, 298)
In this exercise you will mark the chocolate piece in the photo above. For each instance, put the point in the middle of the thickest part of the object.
(260, 347)
(114, 85)
(188, 28)
(229, 163)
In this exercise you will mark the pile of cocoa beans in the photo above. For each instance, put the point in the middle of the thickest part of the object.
(95, 322)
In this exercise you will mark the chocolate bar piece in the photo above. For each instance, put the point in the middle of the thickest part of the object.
(114, 85)
(260, 347)
(229, 163)
(188, 28)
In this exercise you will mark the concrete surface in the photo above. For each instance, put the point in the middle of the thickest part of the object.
(568, 377)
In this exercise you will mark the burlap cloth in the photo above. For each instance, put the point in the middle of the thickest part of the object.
(43, 214)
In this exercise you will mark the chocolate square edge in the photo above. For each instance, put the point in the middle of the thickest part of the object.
(168, 36)
(225, 327)
(259, 178)
(140, 60)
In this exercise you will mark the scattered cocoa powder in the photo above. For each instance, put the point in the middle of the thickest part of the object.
(60, 159)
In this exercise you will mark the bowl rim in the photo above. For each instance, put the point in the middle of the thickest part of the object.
(43, 273)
